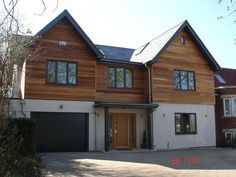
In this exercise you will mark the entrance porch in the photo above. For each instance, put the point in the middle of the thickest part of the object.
(125, 126)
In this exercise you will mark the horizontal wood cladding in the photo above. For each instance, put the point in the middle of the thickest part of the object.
(133, 95)
(182, 57)
(76, 50)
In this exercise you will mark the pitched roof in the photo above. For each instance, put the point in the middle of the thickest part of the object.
(65, 14)
(151, 51)
(225, 77)
(147, 53)
(115, 53)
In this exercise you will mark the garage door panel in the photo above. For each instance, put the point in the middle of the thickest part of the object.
(61, 132)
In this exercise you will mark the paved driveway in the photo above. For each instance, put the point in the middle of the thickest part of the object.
(203, 162)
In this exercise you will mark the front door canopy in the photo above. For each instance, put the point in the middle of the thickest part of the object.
(126, 105)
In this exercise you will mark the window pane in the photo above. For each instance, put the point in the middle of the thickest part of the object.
(72, 73)
(183, 76)
(128, 78)
(61, 72)
(177, 79)
(228, 136)
(178, 123)
(234, 106)
(191, 81)
(111, 77)
(227, 107)
(120, 77)
(51, 71)
(192, 123)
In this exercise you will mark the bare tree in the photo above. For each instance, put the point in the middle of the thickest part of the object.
(15, 48)
(230, 6)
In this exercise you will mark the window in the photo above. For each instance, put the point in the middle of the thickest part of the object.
(234, 106)
(61, 72)
(182, 40)
(184, 80)
(229, 106)
(228, 136)
(185, 123)
(120, 78)
(220, 79)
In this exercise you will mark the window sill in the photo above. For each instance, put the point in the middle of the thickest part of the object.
(185, 91)
(229, 117)
(185, 133)
(121, 88)
(56, 84)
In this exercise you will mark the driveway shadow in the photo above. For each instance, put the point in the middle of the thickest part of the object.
(104, 164)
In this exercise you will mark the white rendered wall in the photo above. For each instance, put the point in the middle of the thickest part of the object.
(31, 105)
(164, 126)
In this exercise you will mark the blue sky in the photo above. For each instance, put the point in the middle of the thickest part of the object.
(132, 23)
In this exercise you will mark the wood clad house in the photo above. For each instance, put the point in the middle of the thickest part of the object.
(88, 97)
(225, 108)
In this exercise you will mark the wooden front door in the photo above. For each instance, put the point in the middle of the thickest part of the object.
(123, 130)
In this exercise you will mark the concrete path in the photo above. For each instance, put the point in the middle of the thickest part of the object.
(204, 162)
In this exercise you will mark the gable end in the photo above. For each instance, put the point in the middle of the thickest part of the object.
(186, 26)
(65, 14)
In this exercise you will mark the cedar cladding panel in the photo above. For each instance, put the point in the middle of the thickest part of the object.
(182, 57)
(76, 50)
(132, 95)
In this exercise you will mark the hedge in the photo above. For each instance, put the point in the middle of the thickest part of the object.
(26, 129)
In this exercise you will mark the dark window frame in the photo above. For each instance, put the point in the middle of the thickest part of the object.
(67, 73)
(194, 81)
(124, 78)
(183, 124)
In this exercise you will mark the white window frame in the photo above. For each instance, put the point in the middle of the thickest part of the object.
(230, 110)
(233, 111)
(231, 133)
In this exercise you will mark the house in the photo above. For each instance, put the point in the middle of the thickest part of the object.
(88, 97)
(225, 108)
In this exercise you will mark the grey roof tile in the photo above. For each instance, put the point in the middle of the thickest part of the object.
(149, 51)
(115, 53)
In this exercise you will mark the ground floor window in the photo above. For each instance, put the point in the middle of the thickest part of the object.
(229, 106)
(185, 123)
(229, 134)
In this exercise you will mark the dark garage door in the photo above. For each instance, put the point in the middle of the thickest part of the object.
(61, 132)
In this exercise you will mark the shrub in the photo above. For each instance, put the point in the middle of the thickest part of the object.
(26, 128)
(227, 143)
(28, 167)
(10, 143)
(17, 149)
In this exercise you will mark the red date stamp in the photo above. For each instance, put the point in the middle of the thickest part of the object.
(190, 160)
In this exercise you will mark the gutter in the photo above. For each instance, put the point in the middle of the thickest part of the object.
(120, 62)
(226, 87)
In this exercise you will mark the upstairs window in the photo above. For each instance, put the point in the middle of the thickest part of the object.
(61, 72)
(184, 80)
(229, 106)
(120, 78)
(185, 123)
